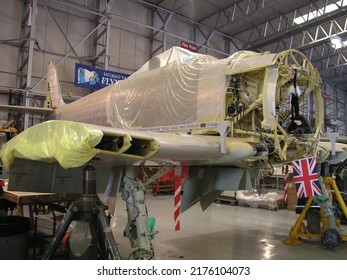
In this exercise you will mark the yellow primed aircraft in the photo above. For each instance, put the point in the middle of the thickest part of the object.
(226, 119)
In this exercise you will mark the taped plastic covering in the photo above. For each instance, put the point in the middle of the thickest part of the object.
(242, 61)
(175, 87)
(71, 144)
(270, 200)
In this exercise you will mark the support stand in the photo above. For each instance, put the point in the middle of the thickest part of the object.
(329, 232)
(92, 236)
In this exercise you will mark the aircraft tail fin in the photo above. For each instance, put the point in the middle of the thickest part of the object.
(54, 98)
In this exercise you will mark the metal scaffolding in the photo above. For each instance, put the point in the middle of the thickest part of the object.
(335, 105)
(25, 93)
(26, 53)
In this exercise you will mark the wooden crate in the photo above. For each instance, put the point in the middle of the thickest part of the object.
(227, 200)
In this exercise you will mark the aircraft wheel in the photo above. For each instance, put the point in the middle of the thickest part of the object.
(331, 238)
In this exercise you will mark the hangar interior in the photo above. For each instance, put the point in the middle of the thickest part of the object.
(122, 35)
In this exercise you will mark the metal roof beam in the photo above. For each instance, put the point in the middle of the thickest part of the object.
(267, 40)
(190, 21)
(272, 31)
(222, 10)
(241, 11)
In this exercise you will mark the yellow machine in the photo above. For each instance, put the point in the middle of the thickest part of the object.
(329, 229)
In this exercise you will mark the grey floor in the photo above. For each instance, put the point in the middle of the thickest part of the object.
(223, 232)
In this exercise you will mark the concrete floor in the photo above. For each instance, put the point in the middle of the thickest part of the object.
(223, 232)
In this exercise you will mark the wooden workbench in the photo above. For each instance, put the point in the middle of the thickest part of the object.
(31, 199)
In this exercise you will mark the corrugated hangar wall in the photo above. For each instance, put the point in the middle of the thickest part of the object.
(120, 39)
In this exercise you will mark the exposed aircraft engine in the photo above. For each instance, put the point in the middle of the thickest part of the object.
(270, 97)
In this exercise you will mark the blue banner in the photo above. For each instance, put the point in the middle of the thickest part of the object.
(94, 78)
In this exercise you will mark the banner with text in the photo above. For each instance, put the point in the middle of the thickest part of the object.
(189, 46)
(94, 78)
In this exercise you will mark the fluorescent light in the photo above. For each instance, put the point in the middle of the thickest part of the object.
(315, 14)
(335, 40)
(339, 45)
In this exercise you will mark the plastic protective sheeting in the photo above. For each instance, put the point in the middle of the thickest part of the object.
(71, 144)
(242, 61)
(175, 87)
(271, 200)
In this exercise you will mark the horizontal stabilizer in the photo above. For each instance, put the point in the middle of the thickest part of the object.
(29, 110)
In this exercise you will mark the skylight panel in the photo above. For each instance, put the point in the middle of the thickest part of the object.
(317, 13)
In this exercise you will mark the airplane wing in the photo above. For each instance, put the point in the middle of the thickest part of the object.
(69, 146)
(73, 144)
(24, 109)
(333, 155)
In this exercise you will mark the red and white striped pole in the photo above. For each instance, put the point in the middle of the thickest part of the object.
(181, 171)
(286, 184)
(177, 200)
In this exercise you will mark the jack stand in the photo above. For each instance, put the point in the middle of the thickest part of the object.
(300, 229)
(329, 232)
(92, 236)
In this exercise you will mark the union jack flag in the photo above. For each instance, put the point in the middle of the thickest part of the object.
(306, 177)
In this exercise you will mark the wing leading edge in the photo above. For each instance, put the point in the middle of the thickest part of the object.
(73, 144)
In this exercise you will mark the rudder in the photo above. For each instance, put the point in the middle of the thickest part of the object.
(54, 98)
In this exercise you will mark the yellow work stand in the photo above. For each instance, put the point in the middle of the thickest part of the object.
(330, 233)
